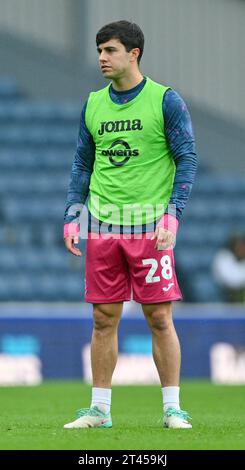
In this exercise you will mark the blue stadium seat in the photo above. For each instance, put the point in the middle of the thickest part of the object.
(37, 135)
(195, 259)
(213, 186)
(47, 159)
(40, 259)
(204, 289)
(9, 261)
(39, 182)
(9, 89)
(220, 209)
(32, 234)
(34, 209)
(41, 112)
(57, 287)
(198, 234)
(14, 287)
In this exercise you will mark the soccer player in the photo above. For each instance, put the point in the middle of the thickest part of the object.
(136, 162)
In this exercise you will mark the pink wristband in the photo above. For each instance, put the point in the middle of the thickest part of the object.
(169, 222)
(71, 230)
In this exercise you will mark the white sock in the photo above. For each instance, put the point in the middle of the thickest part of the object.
(170, 397)
(101, 397)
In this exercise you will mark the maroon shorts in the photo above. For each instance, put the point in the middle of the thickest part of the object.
(119, 269)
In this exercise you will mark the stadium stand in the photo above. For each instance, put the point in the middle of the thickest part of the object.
(37, 144)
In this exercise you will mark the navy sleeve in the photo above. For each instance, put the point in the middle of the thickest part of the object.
(82, 168)
(180, 137)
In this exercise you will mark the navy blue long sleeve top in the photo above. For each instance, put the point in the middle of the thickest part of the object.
(180, 138)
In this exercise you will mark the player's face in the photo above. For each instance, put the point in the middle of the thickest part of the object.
(114, 60)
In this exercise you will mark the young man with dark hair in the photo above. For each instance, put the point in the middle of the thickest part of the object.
(136, 161)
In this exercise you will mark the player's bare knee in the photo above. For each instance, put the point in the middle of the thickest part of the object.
(160, 319)
(101, 321)
(160, 322)
(104, 320)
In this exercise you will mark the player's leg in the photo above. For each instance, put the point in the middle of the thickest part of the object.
(167, 357)
(107, 286)
(165, 343)
(155, 286)
(104, 346)
(104, 352)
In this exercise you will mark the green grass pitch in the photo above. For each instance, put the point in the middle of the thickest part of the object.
(33, 418)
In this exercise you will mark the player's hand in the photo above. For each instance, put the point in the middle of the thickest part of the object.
(164, 238)
(69, 243)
